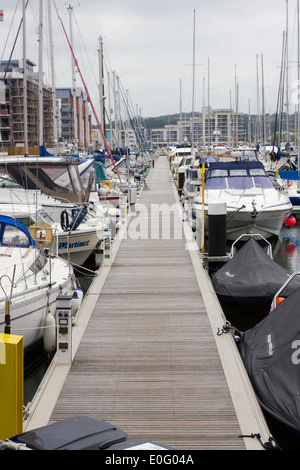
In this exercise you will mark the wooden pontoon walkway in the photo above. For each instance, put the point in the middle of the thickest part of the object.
(147, 356)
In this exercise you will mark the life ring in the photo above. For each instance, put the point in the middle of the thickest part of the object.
(104, 183)
(41, 232)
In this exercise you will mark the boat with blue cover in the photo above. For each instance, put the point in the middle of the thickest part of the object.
(30, 282)
(253, 205)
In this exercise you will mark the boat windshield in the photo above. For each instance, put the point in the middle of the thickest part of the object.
(238, 178)
(13, 236)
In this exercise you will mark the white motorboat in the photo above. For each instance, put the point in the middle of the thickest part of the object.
(30, 282)
(253, 205)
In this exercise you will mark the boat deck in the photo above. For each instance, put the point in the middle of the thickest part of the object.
(147, 356)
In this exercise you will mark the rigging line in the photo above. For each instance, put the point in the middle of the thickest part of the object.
(84, 48)
(131, 121)
(10, 28)
(88, 94)
(14, 45)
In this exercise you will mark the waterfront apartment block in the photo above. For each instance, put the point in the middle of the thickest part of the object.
(213, 127)
(62, 126)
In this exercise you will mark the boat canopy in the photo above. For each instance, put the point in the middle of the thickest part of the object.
(270, 352)
(237, 175)
(57, 177)
(252, 278)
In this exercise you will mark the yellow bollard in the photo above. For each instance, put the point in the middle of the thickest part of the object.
(11, 385)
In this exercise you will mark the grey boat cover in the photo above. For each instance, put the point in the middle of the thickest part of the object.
(252, 278)
(271, 354)
(82, 433)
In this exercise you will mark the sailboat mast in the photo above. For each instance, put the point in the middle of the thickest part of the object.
(55, 136)
(73, 77)
(263, 101)
(180, 106)
(193, 90)
(25, 81)
(41, 115)
(101, 84)
(89, 98)
(287, 74)
(298, 104)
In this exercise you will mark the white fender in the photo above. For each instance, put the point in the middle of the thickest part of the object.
(49, 337)
(76, 300)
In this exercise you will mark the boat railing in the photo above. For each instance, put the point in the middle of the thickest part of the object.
(251, 235)
(277, 295)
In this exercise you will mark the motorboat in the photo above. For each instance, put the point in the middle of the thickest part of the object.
(251, 278)
(193, 181)
(270, 352)
(30, 282)
(253, 205)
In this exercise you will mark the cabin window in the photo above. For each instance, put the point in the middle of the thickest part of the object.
(75, 179)
(218, 173)
(238, 172)
(13, 236)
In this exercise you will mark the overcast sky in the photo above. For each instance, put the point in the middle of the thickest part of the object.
(149, 45)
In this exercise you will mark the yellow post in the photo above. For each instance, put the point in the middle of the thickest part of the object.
(11, 385)
(202, 171)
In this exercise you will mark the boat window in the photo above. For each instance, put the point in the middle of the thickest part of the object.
(240, 182)
(216, 183)
(85, 176)
(238, 172)
(42, 216)
(75, 178)
(13, 236)
(50, 177)
(257, 172)
(263, 182)
(218, 173)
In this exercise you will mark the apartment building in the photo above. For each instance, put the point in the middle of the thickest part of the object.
(75, 128)
(12, 107)
(12, 123)
(213, 127)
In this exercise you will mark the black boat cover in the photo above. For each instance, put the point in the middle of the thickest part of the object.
(81, 433)
(271, 354)
(252, 278)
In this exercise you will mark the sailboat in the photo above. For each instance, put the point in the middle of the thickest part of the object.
(51, 192)
(30, 282)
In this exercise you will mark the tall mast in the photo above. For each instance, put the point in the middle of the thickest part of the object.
(298, 76)
(53, 87)
(25, 81)
(263, 101)
(101, 85)
(193, 90)
(41, 114)
(180, 106)
(73, 77)
(287, 74)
